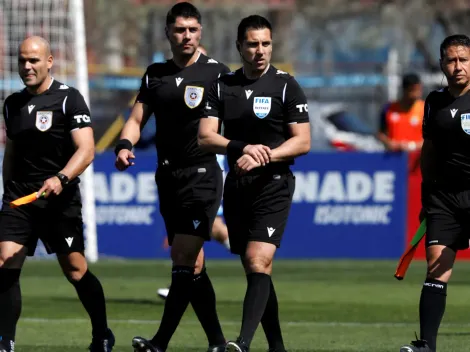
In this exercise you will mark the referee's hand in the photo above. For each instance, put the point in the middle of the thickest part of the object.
(245, 164)
(51, 186)
(260, 153)
(124, 159)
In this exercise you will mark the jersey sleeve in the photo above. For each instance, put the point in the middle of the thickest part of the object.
(76, 110)
(224, 70)
(213, 104)
(144, 91)
(5, 118)
(295, 102)
(427, 121)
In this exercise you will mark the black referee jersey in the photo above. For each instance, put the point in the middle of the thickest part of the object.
(257, 111)
(447, 124)
(175, 96)
(40, 127)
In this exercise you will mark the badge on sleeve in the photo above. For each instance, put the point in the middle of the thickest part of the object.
(261, 106)
(43, 120)
(193, 96)
(465, 123)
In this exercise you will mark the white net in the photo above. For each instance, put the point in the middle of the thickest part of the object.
(19, 19)
(56, 21)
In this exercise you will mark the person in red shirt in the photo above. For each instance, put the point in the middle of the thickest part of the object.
(400, 121)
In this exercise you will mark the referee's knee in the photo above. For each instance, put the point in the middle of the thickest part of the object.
(440, 260)
(258, 264)
(199, 263)
(12, 256)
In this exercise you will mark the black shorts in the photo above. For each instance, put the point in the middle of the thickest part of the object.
(256, 208)
(189, 198)
(447, 217)
(56, 221)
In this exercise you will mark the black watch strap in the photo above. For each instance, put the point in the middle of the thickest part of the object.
(64, 180)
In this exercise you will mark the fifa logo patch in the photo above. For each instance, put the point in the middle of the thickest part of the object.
(261, 106)
(43, 120)
(465, 123)
(193, 96)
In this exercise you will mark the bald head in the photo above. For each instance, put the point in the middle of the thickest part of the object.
(36, 42)
(34, 62)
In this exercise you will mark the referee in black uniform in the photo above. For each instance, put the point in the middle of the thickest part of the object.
(49, 144)
(189, 180)
(445, 166)
(266, 125)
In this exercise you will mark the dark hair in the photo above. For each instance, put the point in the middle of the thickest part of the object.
(182, 9)
(409, 80)
(454, 40)
(252, 22)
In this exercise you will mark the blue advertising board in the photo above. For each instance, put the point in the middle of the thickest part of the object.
(346, 205)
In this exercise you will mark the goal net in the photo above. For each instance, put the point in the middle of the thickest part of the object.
(61, 22)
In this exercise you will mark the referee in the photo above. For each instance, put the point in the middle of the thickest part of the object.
(266, 126)
(445, 166)
(189, 180)
(49, 144)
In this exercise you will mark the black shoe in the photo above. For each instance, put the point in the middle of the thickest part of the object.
(103, 345)
(416, 346)
(218, 348)
(142, 345)
(7, 345)
(274, 350)
(236, 346)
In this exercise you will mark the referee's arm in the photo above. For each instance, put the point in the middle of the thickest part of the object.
(140, 112)
(8, 155)
(78, 115)
(427, 163)
(208, 136)
(84, 153)
(296, 116)
(138, 118)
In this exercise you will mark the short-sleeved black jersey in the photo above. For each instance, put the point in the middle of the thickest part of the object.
(176, 97)
(257, 111)
(40, 128)
(446, 123)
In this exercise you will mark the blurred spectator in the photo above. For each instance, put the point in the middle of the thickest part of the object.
(401, 120)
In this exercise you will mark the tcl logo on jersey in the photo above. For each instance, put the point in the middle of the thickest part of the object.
(82, 118)
(302, 107)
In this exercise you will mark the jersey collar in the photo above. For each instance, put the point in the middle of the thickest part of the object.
(266, 70)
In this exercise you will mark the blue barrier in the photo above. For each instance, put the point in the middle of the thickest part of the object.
(346, 205)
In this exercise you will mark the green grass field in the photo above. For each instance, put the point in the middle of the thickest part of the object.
(333, 306)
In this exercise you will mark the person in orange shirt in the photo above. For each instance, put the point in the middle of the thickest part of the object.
(401, 120)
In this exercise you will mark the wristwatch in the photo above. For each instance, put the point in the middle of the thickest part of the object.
(64, 180)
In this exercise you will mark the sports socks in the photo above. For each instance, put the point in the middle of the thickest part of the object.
(254, 305)
(175, 304)
(91, 295)
(270, 322)
(431, 309)
(10, 302)
(204, 304)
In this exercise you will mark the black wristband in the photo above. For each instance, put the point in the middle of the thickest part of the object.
(122, 144)
(236, 147)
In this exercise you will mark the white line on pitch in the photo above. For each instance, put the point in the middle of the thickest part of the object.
(191, 322)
